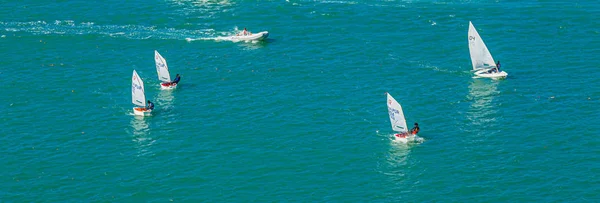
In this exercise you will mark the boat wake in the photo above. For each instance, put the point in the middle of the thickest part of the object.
(392, 138)
(70, 28)
(210, 39)
(415, 140)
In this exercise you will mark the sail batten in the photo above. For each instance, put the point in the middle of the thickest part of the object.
(481, 58)
(161, 67)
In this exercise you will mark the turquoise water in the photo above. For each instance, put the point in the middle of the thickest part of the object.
(301, 117)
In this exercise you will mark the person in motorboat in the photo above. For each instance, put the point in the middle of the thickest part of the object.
(149, 106)
(244, 33)
(415, 129)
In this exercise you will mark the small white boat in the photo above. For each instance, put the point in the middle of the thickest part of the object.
(163, 72)
(398, 121)
(137, 96)
(490, 73)
(481, 58)
(251, 37)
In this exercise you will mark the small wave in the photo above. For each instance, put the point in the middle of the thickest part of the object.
(340, 2)
(426, 65)
(202, 9)
(432, 22)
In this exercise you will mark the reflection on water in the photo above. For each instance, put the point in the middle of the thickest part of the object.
(141, 135)
(482, 109)
(396, 157)
(252, 45)
(398, 154)
(396, 164)
(165, 99)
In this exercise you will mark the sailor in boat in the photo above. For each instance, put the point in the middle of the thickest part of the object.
(243, 33)
(149, 106)
(495, 69)
(177, 78)
(415, 129)
(174, 82)
(498, 66)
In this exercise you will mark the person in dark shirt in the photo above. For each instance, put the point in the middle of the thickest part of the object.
(150, 105)
(498, 67)
(415, 129)
(177, 78)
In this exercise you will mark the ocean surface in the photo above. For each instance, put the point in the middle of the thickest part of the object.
(302, 116)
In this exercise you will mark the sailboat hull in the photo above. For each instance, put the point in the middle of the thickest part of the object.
(141, 111)
(404, 138)
(165, 86)
(485, 74)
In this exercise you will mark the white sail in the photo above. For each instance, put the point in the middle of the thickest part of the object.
(137, 90)
(396, 115)
(161, 67)
(480, 55)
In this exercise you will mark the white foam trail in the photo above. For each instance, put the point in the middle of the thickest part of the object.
(211, 38)
(340, 2)
(69, 27)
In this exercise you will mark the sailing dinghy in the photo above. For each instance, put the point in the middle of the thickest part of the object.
(483, 63)
(398, 121)
(137, 96)
(163, 72)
